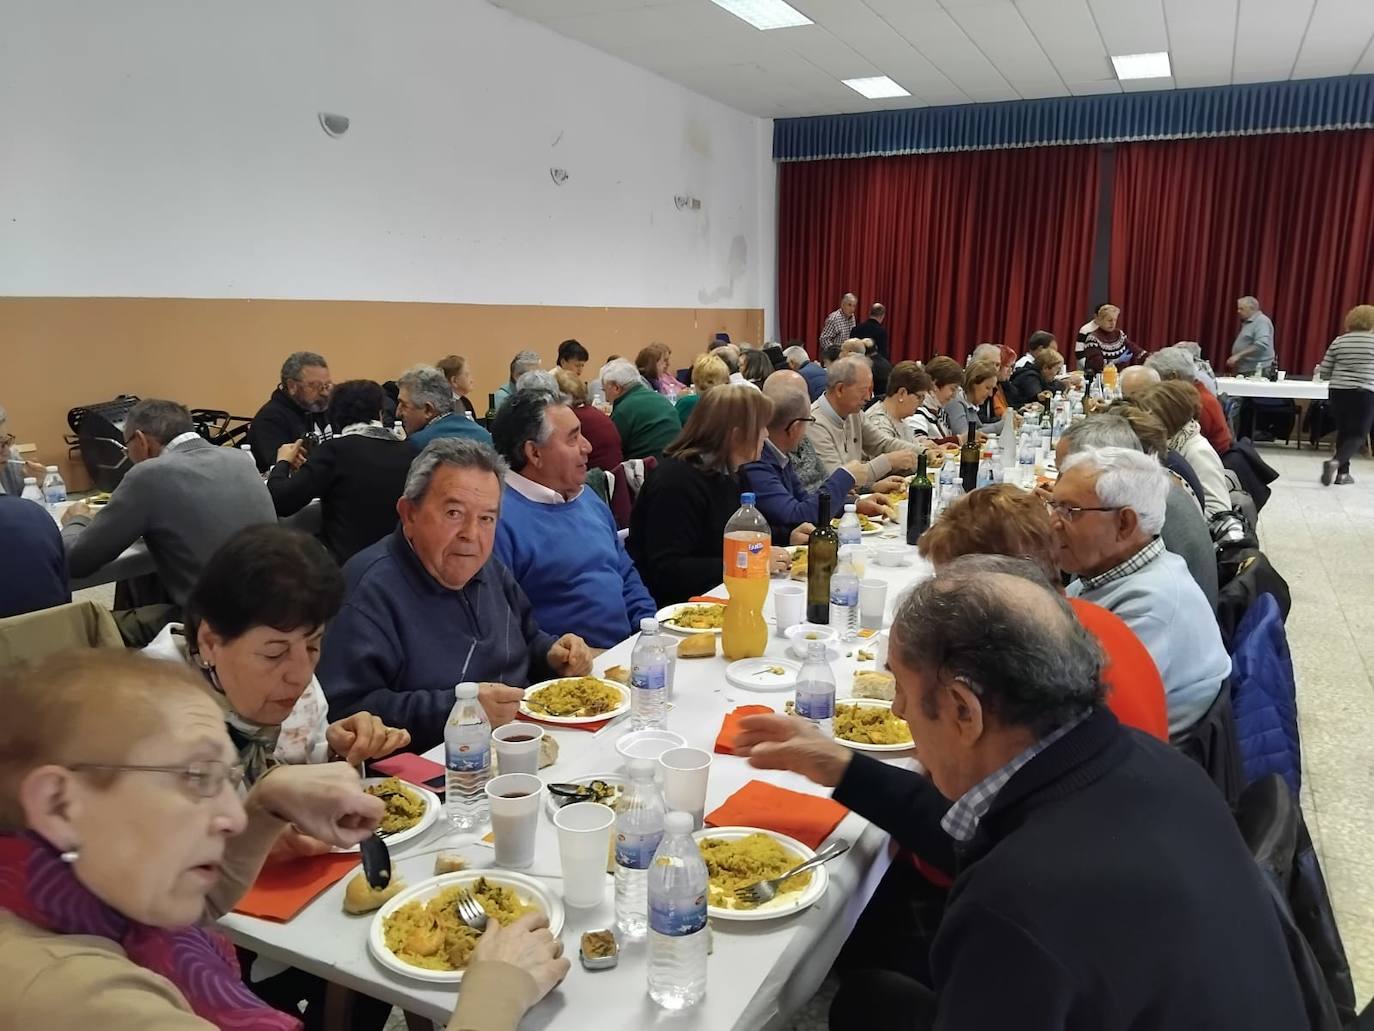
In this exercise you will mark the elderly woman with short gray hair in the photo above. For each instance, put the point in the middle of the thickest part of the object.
(427, 607)
(1176, 363)
(425, 406)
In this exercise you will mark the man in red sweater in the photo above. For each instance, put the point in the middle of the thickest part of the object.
(1177, 363)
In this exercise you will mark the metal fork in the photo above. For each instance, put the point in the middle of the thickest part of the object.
(765, 891)
(470, 911)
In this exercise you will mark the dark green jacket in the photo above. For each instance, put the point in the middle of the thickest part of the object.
(646, 420)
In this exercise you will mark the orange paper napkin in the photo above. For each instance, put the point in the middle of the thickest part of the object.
(283, 889)
(729, 730)
(808, 818)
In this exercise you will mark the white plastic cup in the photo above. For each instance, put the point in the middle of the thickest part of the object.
(514, 800)
(517, 747)
(1282, 375)
(584, 843)
(872, 603)
(685, 773)
(789, 606)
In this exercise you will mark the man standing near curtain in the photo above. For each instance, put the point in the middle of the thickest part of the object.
(1253, 350)
(872, 328)
(839, 324)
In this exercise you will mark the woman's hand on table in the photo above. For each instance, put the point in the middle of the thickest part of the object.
(323, 800)
(773, 742)
(570, 657)
(499, 702)
(780, 561)
(363, 736)
(801, 535)
(526, 944)
(871, 506)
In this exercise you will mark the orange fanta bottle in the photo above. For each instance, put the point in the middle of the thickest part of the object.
(748, 541)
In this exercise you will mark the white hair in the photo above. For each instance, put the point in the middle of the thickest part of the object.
(796, 356)
(427, 386)
(991, 352)
(1173, 363)
(1127, 479)
(1248, 302)
(1191, 346)
(621, 372)
(538, 379)
(844, 371)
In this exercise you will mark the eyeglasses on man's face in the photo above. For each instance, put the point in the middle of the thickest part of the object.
(1069, 513)
(806, 418)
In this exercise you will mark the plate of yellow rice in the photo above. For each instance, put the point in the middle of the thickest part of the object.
(870, 725)
(740, 856)
(418, 933)
(575, 700)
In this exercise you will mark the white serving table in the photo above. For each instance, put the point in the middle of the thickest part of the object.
(1293, 389)
(759, 974)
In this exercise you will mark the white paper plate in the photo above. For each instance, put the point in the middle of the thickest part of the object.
(782, 905)
(552, 801)
(755, 675)
(433, 807)
(619, 710)
(670, 611)
(876, 703)
(529, 889)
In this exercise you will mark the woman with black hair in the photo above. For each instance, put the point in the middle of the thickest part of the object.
(358, 474)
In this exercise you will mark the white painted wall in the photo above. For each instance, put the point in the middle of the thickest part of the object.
(171, 148)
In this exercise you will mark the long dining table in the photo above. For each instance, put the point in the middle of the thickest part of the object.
(759, 973)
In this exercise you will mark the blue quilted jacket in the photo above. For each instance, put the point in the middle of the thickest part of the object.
(1264, 696)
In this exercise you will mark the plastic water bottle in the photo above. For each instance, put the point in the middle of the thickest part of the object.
(638, 831)
(33, 492)
(649, 678)
(398, 429)
(850, 529)
(816, 689)
(467, 753)
(844, 598)
(677, 917)
(54, 487)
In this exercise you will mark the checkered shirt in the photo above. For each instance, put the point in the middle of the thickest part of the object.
(1134, 564)
(837, 329)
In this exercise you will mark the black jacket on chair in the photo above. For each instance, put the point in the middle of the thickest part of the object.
(358, 479)
(1106, 889)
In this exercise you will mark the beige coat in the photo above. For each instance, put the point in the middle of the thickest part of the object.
(839, 442)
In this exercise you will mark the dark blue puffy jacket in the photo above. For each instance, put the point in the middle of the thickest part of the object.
(1264, 696)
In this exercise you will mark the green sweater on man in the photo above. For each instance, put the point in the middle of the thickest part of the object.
(646, 420)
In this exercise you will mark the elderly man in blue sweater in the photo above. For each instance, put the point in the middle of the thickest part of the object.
(429, 607)
(558, 538)
(1108, 510)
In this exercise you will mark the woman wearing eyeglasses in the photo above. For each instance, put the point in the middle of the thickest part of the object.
(122, 837)
(253, 626)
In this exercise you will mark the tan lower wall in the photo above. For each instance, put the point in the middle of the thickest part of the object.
(59, 352)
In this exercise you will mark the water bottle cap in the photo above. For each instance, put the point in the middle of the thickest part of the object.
(815, 650)
(51, 468)
(648, 625)
(677, 823)
(642, 769)
(747, 498)
(851, 508)
(30, 479)
(468, 690)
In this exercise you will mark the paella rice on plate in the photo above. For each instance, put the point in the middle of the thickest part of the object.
(430, 935)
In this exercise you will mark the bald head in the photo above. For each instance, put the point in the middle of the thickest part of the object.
(1137, 378)
(787, 391)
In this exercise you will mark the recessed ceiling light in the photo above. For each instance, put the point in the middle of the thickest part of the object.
(876, 88)
(1142, 66)
(765, 14)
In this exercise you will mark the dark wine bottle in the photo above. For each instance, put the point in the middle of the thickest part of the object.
(822, 555)
(969, 456)
(920, 501)
(491, 411)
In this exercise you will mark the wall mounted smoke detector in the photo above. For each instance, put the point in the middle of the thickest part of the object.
(333, 125)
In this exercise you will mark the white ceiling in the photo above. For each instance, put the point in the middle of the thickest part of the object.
(963, 51)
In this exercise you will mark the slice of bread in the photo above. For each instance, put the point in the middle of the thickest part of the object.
(869, 683)
(697, 646)
(619, 674)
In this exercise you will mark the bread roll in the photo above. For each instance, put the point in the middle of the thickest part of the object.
(619, 674)
(870, 683)
(697, 646)
(361, 897)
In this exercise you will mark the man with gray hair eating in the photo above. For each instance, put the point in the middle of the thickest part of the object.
(1099, 880)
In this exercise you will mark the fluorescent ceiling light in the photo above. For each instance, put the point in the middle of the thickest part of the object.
(876, 88)
(1142, 66)
(765, 14)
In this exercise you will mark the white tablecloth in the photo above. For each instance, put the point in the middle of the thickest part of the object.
(758, 974)
(1297, 389)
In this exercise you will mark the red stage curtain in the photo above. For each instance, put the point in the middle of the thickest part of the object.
(961, 248)
(1199, 223)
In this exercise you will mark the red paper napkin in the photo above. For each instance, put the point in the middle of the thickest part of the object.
(564, 726)
(808, 818)
(283, 889)
(729, 730)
